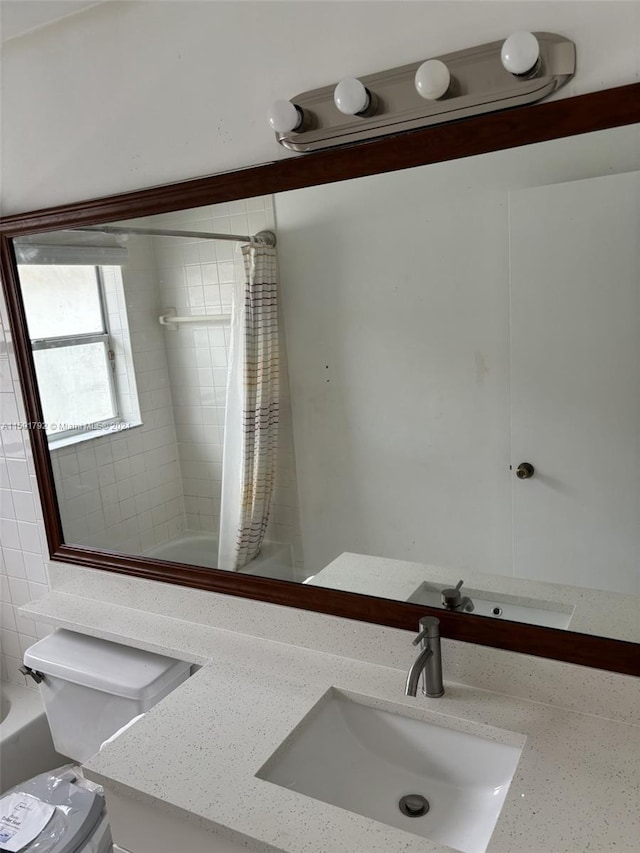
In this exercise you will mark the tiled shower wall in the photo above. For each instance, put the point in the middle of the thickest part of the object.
(23, 548)
(123, 490)
(196, 277)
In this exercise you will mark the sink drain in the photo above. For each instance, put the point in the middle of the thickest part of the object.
(414, 805)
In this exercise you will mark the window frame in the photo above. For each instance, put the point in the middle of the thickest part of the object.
(82, 432)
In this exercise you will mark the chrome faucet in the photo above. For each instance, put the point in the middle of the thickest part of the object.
(452, 599)
(429, 661)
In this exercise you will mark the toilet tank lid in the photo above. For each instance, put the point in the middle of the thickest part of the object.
(104, 665)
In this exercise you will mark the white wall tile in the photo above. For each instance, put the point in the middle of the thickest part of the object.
(10, 643)
(12, 444)
(14, 563)
(18, 474)
(31, 535)
(19, 591)
(9, 535)
(24, 506)
(35, 569)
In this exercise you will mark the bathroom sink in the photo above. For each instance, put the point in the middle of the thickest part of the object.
(367, 759)
(500, 606)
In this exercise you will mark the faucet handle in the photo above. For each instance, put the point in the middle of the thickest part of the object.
(429, 627)
(420, 637)
(451, 597)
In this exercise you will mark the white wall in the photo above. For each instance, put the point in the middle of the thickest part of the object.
(128, 95)
(133, 94)
(396, 298)
(18, 17)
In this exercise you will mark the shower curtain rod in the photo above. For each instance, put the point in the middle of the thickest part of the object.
(266, 237)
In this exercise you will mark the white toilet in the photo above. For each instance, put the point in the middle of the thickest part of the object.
(91, 688)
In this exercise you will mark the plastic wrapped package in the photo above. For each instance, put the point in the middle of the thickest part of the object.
(78, 823)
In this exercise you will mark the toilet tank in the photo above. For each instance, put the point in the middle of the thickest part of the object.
(91, 687)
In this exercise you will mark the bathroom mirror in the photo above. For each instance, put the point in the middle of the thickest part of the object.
(458, 368)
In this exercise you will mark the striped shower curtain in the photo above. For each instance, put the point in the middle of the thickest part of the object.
(252, 411)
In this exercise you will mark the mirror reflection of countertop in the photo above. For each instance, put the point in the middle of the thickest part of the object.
(198, 751)
(589, 611)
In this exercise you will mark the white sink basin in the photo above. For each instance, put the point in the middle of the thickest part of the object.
(499, 606)
(365, 759)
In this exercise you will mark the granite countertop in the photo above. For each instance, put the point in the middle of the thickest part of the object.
(575, 788)
(590, 609)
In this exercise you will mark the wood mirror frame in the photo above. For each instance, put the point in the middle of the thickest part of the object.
(509, 129)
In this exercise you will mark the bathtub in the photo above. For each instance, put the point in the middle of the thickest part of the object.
(201, 549)
(26, 748)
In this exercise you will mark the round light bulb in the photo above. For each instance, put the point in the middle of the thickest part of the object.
(432, 79)
(285, 116)
(520, 53)
(351, 97)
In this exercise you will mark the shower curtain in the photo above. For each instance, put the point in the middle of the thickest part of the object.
(252, 412)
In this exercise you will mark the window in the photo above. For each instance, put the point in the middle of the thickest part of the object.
(73, 353)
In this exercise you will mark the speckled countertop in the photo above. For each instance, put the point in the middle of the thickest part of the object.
(590, 609)
(575, 790)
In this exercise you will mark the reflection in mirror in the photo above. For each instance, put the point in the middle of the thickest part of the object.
(73, 346)
(149, 481)
(434, 330)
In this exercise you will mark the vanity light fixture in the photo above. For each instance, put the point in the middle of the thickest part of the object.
(286, 117)
(521, 69)
(432, 80)
(353, 98)
(520, 54)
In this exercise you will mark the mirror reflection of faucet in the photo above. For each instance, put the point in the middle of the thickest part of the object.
(452, 599)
